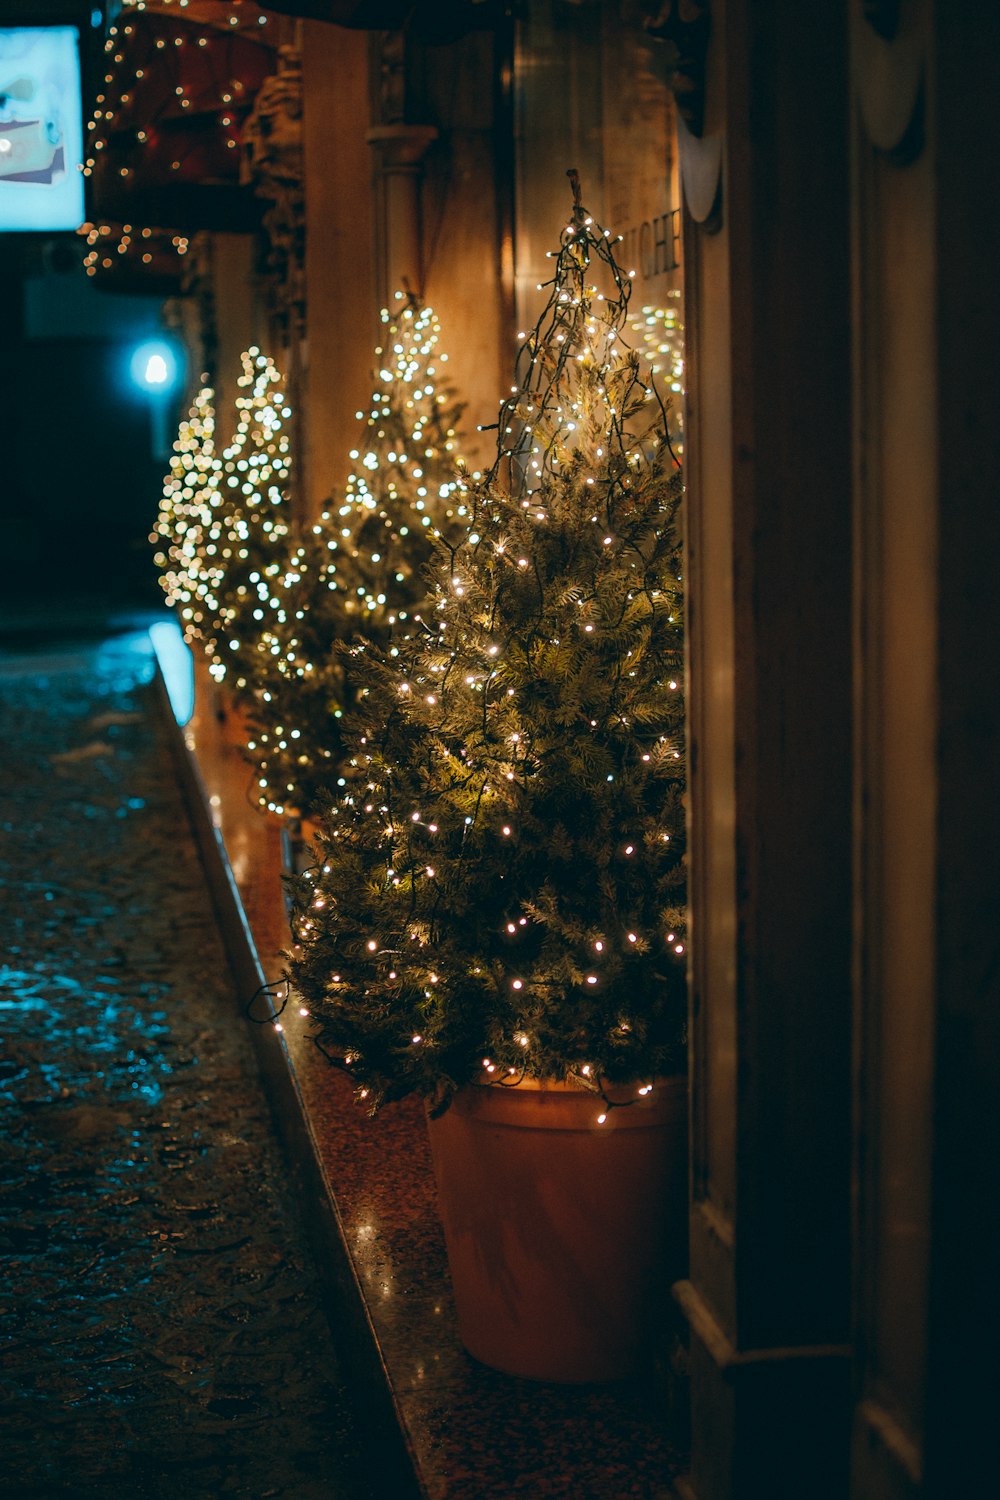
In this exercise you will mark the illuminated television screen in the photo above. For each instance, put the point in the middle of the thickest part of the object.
(41, 129)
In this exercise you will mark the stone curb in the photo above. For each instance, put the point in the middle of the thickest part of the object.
(393, 1462)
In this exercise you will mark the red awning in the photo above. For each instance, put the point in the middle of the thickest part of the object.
(165, 139)
(434, 21)
(125, 258)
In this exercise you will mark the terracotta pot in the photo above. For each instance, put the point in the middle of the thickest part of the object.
(563, 1235)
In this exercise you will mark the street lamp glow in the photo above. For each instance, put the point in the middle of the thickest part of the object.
(156, 370)
(154, 367)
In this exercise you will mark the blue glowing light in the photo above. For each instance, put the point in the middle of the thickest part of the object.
(154, 367)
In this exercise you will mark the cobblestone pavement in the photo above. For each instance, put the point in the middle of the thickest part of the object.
(160, 1334)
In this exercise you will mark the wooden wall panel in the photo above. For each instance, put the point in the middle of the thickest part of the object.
(769, 483)
(341, 314)
(927, 980)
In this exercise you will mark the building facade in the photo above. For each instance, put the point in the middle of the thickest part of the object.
(805, 199)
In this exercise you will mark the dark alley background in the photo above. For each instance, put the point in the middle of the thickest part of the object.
(81, 482)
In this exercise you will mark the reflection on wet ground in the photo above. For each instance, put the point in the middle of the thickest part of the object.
(161, 1334)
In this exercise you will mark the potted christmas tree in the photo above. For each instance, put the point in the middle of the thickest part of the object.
(497, 920)
(360, 568)
(223, 529)
(189, 535)
(297, 681)
(251, 524)
(187, 573)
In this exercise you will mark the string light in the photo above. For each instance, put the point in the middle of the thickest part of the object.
(223, 521)
(525, 725)
(189, 574)
(164, 64)
(358, 571)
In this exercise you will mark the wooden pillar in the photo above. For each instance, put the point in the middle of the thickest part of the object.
(462, 200)
(340, 310)
(927, 441)
(768, 454)
(238, 322)
(399, 150)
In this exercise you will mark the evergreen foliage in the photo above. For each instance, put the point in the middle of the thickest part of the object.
(188, 575)
(406, 486)
(249, 530)
(298, 682)
(361, 569)
(501, 885)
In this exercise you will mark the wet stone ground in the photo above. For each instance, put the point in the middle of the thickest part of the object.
(160, 1327)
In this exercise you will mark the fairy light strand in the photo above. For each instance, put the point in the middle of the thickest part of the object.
(500, 885)
(357, 573)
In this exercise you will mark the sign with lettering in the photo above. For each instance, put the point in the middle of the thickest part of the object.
(653, 248)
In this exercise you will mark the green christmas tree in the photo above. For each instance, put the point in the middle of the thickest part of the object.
(249, 530)
(501, 889)
(188, 575)
(298, 681)
(406, 487)
(361, 569)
